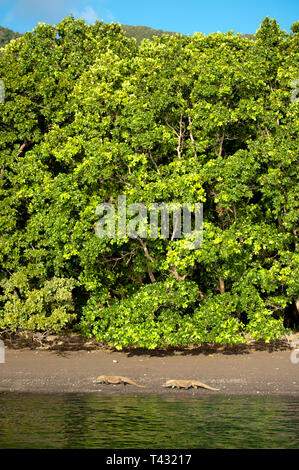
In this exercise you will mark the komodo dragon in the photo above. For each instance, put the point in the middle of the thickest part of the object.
(187, 384)
(116, 379)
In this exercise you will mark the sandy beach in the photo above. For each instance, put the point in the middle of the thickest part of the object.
(264, 370)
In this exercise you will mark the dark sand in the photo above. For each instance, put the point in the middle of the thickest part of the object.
(245, 371)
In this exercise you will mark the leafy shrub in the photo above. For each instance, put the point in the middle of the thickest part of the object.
(45, 308)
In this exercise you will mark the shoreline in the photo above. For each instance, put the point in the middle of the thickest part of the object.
(234, 371)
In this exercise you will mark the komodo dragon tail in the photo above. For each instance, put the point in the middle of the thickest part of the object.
(126, 380)
(200, 384)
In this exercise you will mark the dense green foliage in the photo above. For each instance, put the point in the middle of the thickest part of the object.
(6, 35)
(89, 115)
(137, 32)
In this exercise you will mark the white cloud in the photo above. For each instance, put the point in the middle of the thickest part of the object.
(88, 14)
(31, 12)
(36, 11)
(28, 13)
(109, 15)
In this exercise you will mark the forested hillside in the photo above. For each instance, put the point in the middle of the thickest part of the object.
(144, 32)
(6, 35)
(89, 116)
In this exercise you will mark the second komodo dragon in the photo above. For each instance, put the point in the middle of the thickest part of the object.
(187, 384)
(116, 379)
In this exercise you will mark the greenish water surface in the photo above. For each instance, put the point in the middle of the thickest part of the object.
(147, 421)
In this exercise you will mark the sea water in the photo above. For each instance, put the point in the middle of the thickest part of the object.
(68, 421)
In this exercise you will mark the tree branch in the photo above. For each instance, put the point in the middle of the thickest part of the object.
(145, 249)
(177, 276)
(152, 159)
(191, 135)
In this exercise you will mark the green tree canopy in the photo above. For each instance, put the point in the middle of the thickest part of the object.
(295, 27)
(89, 116)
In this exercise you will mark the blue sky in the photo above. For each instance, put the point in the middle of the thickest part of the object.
(183, 16)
